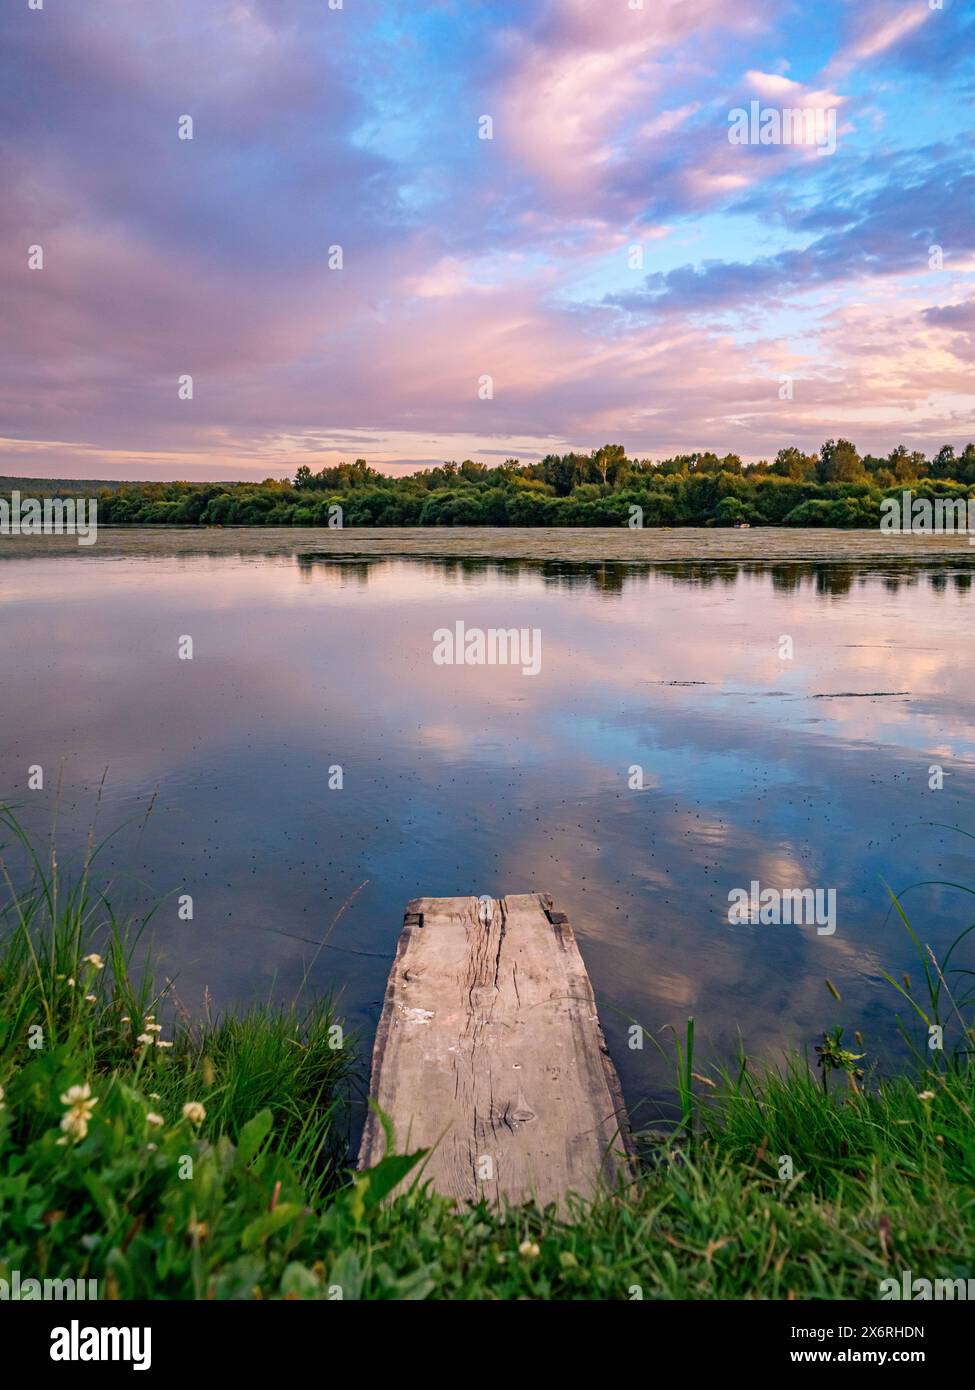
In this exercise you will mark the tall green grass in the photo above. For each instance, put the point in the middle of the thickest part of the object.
(769, 1185)
(73, 988)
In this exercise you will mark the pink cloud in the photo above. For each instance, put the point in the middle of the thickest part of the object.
(587, 74)
(610, 126)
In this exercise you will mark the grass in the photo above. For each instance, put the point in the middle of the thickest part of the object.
(799, 1183)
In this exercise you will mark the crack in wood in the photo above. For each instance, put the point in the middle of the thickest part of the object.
(508, 1014)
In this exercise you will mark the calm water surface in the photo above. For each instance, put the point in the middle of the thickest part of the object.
(457, 780)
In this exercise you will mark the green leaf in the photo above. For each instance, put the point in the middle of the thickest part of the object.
(416, 1286)
(388, 1173)
(252, 1136)
(270, 1222)
(298, 1281)
(346, 1273)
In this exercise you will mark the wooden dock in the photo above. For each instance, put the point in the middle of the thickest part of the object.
(489, 1053)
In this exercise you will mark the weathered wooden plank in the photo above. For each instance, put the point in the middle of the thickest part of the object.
(489, 1052)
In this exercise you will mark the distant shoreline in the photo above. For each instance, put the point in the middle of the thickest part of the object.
(651, 545)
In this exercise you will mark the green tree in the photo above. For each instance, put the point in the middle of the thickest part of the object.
(789, 463)
(965, 472)
(944, 463)
(839, 462)
(563, 471)
(608, 461)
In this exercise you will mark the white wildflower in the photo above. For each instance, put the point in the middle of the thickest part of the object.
(80, 1103)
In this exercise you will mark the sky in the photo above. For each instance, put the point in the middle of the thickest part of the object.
(418, 230)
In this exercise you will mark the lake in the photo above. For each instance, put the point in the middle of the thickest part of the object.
(784, 721)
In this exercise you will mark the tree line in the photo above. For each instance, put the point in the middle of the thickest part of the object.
(836, 487)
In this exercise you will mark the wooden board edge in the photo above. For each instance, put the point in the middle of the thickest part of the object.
(627, 1166)
(372, 1144)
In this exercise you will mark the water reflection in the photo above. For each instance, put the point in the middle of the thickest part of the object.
(809, 771)
(616, 577)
